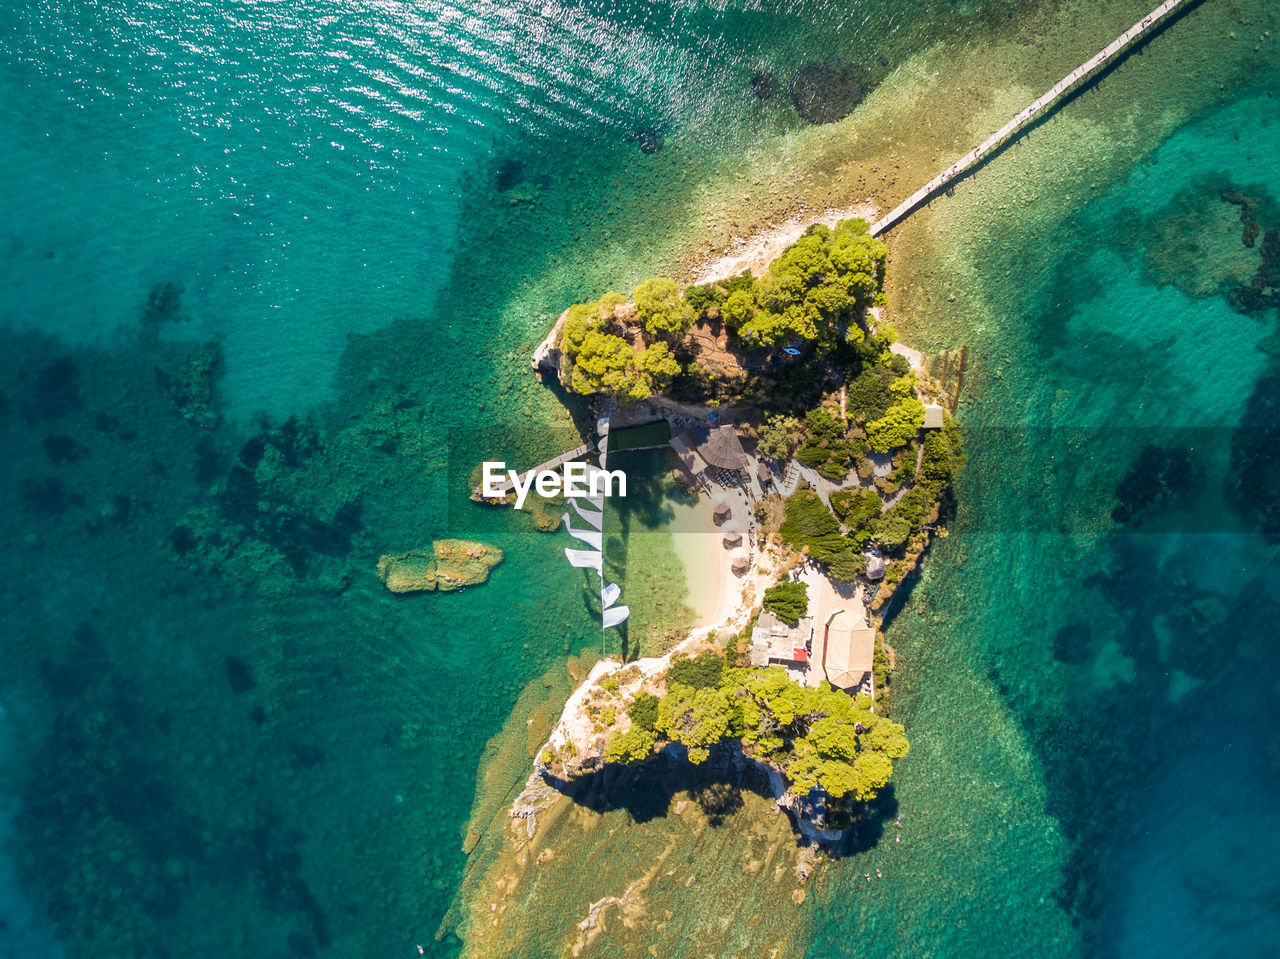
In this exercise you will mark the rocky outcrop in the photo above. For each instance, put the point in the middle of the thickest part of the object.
(450, 564)
(547, 356)
(947, 368)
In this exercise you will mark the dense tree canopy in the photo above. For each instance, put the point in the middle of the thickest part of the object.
(868, 395)
(809, 526)
(661, 310)
(602, 362)
(815, 290)
(856, 507)
(898, 426)
(696, 718)
(633, 746)
(780, 437)
(814, 294)
(818, 737)
(643, 711)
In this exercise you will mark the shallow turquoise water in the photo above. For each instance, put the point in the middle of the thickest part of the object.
(1090, 699)
(279, 760)
(222, 735)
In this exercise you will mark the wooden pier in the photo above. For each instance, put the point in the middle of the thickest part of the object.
(1038, 107)
(507, 485)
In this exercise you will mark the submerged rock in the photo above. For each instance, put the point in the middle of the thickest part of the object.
(449, 564)
(764, 84)
(650, 139)
(826, 92)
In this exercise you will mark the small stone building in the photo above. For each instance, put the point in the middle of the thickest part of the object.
(774, 643)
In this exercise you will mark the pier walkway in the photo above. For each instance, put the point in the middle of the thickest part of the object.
(1038, 107)
(507, 485)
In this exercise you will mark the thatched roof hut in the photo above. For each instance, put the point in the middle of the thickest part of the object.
(723, 449)
(740, 560)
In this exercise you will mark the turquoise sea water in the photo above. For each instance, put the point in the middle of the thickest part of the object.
(221, 735)
(1090, 689)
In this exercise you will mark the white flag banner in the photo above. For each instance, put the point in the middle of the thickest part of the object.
(611, 615)
(591, 537)
(586, 559)
(609, 595)
(615, 615)
(591, 516)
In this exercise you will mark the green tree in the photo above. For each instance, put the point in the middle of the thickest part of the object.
(788, 601)
(834, 738)
(859, 260)
(871, 773)
(943, 456)
(868, 396)
(658, 366)
(605, 363)
(660, 309)
(891, 531)
(633, 746)
(739, 308)
(847, 564)
(897, 427)
(884, 736)
(808, 524)
(823, 426)
(704, 298)
(643, 711)
(856, 507)
(780, 437)
(770, 329)
(700, 672)
(698, 719)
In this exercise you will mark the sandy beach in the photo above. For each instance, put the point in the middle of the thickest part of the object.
(755, 252)
(713, 588)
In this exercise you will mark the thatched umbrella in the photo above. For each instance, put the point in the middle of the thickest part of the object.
(740, 560)
(732, 535)
(720, 508)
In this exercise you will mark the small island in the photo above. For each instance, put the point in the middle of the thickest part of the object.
(826, 450)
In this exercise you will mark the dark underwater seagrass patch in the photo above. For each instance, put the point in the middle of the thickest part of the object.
(826, 92)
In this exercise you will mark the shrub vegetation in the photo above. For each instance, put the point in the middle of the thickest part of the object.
(788, 601)
(808, 526)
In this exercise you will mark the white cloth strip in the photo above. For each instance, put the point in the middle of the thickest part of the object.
(586, 559)
(591, 537)
(594, 517)
(615, 615)
(609, 595)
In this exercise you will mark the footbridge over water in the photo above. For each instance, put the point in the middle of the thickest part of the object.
(1054, 96)
(508, 485)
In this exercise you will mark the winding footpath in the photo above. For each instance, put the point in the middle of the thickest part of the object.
(1049, 99)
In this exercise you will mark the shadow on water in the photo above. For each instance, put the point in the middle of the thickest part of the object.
(646, 792)
(649, 492)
